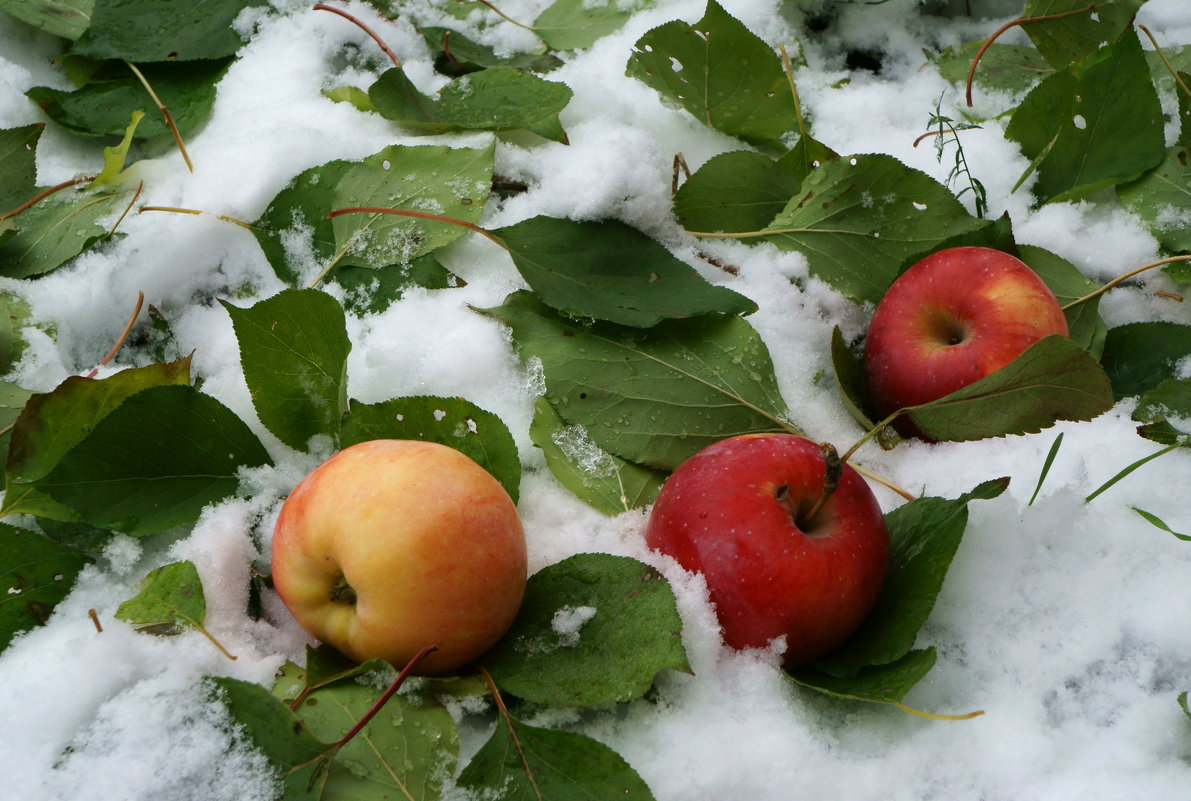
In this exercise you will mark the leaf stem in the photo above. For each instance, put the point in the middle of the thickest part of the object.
(215, 642)
(165, 112)
(789, 70)
(1012, 24)
(140, 187)
(933, 716)
(367, 717)
(508, 721)
(505, 16)
(379, 41)
(179, 210)
(1121, 278)
(140, 300)
(43, 194)
(1174, 73)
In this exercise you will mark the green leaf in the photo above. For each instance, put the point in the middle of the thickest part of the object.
(1183, 704)
(720, 72)
(54, 231)
(1182, 442)
(371, 291)
(593, 629)
(493, 99)
(14, 316)
(12, 399)
(559, 765)
(924, 535)
(1139, 356)
(170, 600)
(18, 165)
(887, 684)
(1158, 522)
(114, 158)
(1169, 398)
(63, 18)
(155, 461)
(852, 384)
(606, 482)
(1054, 379)
(103, 105)
(611, 271)
(1068, 284)
(1050, 458)
(162, 30)
(36, 574)
(454, 422)
(1076, 28)
(653, 397)
(51, 424)
(300, 762)
(299, 241)
(1002, 68)
(736, 192)
(293, 349)
(406, 751)
(455, 54)
(578, 24)
(858, 219)
(1093, 124)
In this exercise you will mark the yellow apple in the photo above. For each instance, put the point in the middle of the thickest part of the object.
(394, 545)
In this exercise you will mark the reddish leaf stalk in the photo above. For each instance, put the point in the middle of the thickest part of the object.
(42, 195)
(111, 354)
(359, 24)
(367, 717)
(165, 113)
(508, 721)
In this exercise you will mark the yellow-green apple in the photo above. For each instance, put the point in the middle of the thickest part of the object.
(390, 546)
(951, 319)
(742, 512)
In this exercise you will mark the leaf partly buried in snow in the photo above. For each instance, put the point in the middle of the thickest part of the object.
(162, 30)
(35, 574)
(1072, 29)
(1068, 284)
(54, 231)
(886, 683)
(170, 601)
(63, 18)
(1139, 356)
(593, 629)
(18, 165)
(737, 191)
(1054, 379)
(576, 24)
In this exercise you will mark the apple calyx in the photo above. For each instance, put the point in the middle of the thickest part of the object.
(343, 593)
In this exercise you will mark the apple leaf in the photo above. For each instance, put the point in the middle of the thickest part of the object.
(593, 629)
(14, 316)
(162, 30)
(18, 165)
(492, 99)
(12, 399)
(454, 422)
(599, 479)
(1076, 28)
(578, 24)
(1002, 68)
(63, 18)
(1093, 124)
(36, 574)
(293, 349)
(653, 397)
(52, 423)
(103, 105)
(369, 291)
(54, 231)
(1068, 284)
(858, 219)
(852, 384)
(299, 760)
(455, 54)
(611, 271)
(719, 71)
(155, 461)
(407, 750)
(924, 535)
(1139, 356)
(737, 191)
(170, 600)
(520, 762)
(1053, 379)
(886, 683)
(299, 240)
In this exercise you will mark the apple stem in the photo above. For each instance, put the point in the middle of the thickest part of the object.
(494, 691)
(872, 432)
(933, 716)
(367, 717)
(1013, 23)
(42, 195)
(1122, 278)
(380, 42)
(833, 469)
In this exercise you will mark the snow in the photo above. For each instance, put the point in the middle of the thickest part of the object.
(1064, 621)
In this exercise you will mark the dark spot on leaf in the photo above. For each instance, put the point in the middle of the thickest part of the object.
(39, 611)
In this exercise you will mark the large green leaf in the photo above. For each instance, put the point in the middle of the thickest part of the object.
(1054, 379)
(719, 71)
(1139, 356)
(736, 191)
(299, 241)
(18, 165)
(293, 350)
(858, 219)
(593, 629)
(652, 397)
(35, 574)
(1096, 123)
(162, 30)
(1003, 67)
(454, 422)
(1075, 28)
(610, 271)
(64, 18)
(155, 461)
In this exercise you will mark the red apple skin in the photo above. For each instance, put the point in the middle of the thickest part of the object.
(951, 319)
(723, 513)
(428, 540)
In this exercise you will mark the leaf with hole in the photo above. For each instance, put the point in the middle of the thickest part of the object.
(293, 350)
(1076, 28)
(594, 629)
(36, 574)
(1054, 379)
(1002, 68)
(611, 271)
(720, 72)
(652, 397)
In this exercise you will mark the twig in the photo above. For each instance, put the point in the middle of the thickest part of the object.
(379, 41)
(165, 112)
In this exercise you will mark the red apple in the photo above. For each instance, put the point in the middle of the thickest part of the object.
(951, 319)
(738, 512)
(393, 545)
